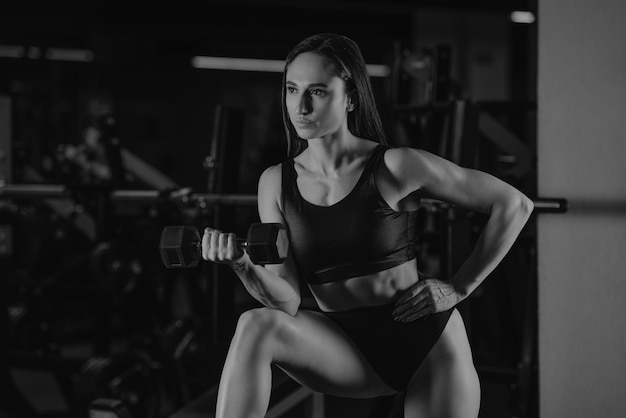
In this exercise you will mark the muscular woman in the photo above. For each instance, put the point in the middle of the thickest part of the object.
(348, 201)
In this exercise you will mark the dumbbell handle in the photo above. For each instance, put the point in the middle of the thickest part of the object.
(241, 244)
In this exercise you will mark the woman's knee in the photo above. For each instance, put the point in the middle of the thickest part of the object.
(258, 328)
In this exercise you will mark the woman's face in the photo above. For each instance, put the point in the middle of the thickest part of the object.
(315, 97)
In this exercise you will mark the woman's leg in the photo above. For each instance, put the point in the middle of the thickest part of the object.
(446, 384)
(309, 347)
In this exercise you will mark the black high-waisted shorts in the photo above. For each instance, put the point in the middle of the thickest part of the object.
(394, 349)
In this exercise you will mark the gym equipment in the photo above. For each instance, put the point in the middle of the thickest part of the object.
(187, 198)
(132, 379)
(30, 330)
(115, 268)
(6, 166)
(109, 408)
(180, 246)
(185, 351)
(223, 162)
(287, 395)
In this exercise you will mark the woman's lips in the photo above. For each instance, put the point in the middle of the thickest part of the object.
(304, 123)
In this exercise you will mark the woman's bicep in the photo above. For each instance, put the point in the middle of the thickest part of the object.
(269, 196)
(270, 211)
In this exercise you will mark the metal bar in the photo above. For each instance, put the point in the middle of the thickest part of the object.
(6, 164)
(288, 402)
(200, 199)
(487, 105)
(551, 205)
(34, 190)
(232, 199)
(316, 405)
(135, 196)
(542, 204)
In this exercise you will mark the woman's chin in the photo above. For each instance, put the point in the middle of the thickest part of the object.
(306, 135)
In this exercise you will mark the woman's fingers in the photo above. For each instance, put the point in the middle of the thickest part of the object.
(228, 250)
(410, 293)
(413, 296)
(210, 244)
(222, 247)
(219, 247)
(235, 253)
(206, 243)
(416, 305)
(423, 298)
(214, 244)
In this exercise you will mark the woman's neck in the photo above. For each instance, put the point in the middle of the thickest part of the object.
(329, 156)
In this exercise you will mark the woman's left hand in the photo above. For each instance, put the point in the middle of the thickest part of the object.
(425, 297)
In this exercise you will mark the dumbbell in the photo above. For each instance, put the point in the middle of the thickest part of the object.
(181, 246)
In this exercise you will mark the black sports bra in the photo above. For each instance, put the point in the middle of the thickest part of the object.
(356, 236)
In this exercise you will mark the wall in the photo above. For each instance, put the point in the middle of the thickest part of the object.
(582, 254)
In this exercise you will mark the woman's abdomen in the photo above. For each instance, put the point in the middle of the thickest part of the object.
(375, 289)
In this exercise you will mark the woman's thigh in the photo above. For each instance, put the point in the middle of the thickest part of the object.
(314, 351)
(446, 384)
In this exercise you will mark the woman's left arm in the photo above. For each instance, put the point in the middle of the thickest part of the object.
(507, 207)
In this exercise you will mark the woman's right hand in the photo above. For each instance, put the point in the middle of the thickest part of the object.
(220, 247)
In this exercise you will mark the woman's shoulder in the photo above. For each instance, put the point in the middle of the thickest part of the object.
(269, 187)
(403, 158)
(271, 175)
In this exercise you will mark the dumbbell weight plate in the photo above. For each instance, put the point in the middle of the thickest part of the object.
(179, 246)
(267, 243)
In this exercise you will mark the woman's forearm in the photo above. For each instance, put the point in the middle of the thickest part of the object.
(266, 286)
(505, 222)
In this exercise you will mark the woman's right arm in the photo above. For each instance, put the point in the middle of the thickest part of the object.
(275, 286)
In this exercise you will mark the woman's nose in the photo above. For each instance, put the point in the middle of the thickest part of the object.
(304, 105)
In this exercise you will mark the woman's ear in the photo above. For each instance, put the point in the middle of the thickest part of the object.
(350, 105)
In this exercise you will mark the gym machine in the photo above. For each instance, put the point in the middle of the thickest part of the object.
(180, 365)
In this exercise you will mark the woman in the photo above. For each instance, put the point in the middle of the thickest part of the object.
(349, 204)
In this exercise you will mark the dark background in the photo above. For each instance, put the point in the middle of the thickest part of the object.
(164, 106)
(165, 112)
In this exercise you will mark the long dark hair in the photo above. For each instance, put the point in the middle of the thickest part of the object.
(364, 121)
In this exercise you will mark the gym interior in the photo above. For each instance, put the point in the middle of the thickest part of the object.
(123, 133)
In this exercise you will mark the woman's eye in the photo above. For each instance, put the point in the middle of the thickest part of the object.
(317, 92)
(291, 90)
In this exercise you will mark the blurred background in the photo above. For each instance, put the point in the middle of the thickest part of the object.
(116, 122)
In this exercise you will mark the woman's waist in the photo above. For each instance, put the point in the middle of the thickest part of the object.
(375, 289)
(353, 266)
